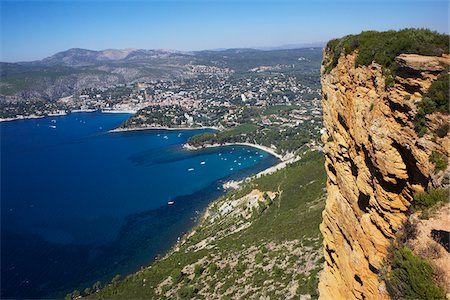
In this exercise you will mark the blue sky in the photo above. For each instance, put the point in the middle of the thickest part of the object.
(35, 29)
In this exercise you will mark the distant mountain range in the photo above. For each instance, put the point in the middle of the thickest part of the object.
(77, 57)
(65, 72)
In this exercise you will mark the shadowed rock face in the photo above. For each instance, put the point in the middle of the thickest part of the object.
(442, 237)
(375, 163)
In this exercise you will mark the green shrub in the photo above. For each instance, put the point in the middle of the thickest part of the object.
(96, 286)
(383, 47)
(439, 92)
(407, 232)
(75, 294)
(241, 267)
(177, 276)
(259, 258)
(186, 292)
(442, 130)
(165, 288)
(116, 279)
(411, 277)
(276, 272)
(427, 200)
(212, 268)
(227, 269)
(198, 270)
(435, 100)
(439, 161)
(389, 80)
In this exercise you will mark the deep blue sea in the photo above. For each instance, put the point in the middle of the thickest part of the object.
(80, 204)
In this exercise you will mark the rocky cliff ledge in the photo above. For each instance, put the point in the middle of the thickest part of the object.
(375, 162)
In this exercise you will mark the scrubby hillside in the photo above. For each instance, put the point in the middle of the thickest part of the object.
(261, 240)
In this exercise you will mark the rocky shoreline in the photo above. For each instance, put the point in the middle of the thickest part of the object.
(29, 117)
(120, 129)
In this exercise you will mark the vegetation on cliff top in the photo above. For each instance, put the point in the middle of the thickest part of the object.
(427, 202)
(435, 100)
(273, 253)
(383, 47)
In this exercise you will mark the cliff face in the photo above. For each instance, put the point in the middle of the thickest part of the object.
(375, 162)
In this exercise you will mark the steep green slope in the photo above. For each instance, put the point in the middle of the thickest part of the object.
(260, 240)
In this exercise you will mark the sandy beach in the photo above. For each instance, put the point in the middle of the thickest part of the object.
(130, 111)
(264, 148)
(82, 110)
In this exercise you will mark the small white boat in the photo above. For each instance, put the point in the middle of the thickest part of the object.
(239, 164)
(53, 121)
(231, 169)
(191, 169)
(170, 202)
(202, 163)
(179, 134)
(53, 126)
(261, 155)
(158, 134)
(166, 137)
(220, 154)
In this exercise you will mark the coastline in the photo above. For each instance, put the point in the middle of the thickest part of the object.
(202, 215)
(130, 111)
(22, 118)
(232, 184)
(271, 164)
(57, 114)
(160, 128)
(260, 147)
(33, 117)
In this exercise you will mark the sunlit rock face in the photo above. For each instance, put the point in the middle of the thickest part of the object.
(375, 162)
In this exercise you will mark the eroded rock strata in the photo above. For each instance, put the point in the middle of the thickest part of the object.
(375, 162)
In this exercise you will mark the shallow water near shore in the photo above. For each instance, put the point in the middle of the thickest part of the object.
(80, 204)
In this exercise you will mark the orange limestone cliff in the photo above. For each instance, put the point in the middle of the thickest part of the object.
(375, 162)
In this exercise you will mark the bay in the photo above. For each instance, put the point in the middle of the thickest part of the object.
(81, 204)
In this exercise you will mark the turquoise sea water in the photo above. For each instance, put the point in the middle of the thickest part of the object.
(80, 204)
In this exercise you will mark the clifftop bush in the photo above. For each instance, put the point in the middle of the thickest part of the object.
(436, 99)
(428, 200)
(411, 277)
(383, 47)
